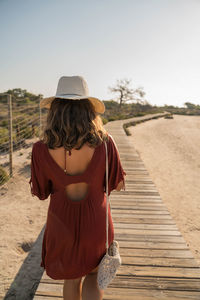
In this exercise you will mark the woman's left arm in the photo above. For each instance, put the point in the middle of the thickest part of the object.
(40, 184)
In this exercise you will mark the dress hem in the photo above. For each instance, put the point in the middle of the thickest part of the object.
(72, 277)
(83, 274)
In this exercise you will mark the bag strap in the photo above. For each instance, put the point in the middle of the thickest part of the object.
(107, 198)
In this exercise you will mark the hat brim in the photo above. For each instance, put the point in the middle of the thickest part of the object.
(98, 104)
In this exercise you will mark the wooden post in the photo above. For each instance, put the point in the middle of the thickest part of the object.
(10, 134)
(33, 130)
(40, 129)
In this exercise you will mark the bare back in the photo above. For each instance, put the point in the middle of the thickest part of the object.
(76, 164)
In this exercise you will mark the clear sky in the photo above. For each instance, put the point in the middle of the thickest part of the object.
(155, 43)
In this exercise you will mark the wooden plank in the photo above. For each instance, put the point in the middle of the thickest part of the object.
(145, 189)
(145, 226)
(136, 205)
(149, 238)
(136, 194)
(159, 271)
(162, 253)
(139, 211)
(140, 207)
(158, 283)
(134, 202)
(135, 220)
(133, 215)
(116, 196)
(137, 166)
(160, 262)
(137, 201)
(133, 164)
(148, 187)
(148, 232)
(136, 173)
(144, 294)
(152, 245)
(149, 184)
(132, 179)
(131, 158)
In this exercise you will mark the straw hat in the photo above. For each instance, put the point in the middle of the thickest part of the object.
(73, 88)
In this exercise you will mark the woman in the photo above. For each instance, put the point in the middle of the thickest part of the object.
(68, 163)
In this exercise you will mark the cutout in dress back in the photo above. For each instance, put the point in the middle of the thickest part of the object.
(76, 191)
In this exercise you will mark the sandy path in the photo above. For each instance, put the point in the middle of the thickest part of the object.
(21, 220)
(170, 150)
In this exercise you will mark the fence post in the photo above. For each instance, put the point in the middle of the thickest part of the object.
(40, 128)
(10, 134)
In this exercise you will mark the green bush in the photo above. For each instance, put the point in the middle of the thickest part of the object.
(104, 120)
(3, 176)
(3, 135)
(170, 116)
(141, 114)
(112, 118)
(4, 123)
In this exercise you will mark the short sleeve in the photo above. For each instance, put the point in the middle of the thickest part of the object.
(39, 183)
(116, 172)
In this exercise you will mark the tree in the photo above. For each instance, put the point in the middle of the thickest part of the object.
(190, 105)
(23, 94)
(126, 93)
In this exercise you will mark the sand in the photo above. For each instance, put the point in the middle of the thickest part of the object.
(22, 218)
(170, 150)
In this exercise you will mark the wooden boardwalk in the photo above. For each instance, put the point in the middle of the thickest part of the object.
(156, 262)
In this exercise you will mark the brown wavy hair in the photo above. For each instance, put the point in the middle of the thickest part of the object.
(71, 124)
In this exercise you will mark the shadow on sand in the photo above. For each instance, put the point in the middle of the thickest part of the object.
(28, 277)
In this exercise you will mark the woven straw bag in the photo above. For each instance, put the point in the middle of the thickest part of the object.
(111, 261)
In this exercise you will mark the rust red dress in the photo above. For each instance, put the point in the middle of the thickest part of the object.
(74, 240)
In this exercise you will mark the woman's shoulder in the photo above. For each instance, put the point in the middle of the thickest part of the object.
(111, 141)
(38, 146)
